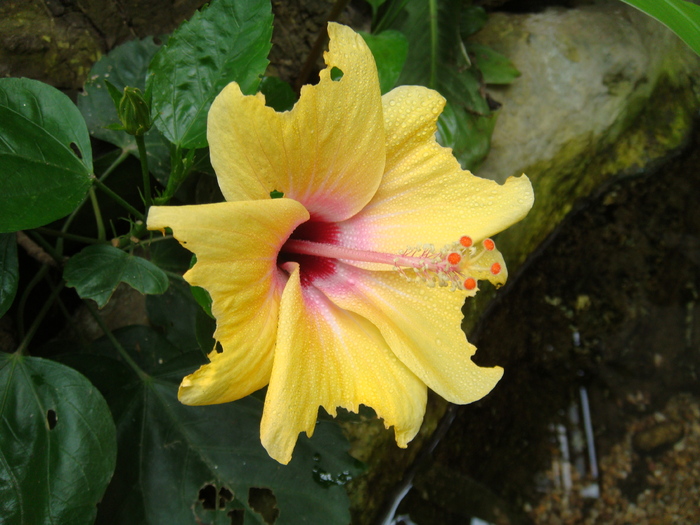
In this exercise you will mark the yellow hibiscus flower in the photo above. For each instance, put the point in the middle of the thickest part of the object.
(336, 295)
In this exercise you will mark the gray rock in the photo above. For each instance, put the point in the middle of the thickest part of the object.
(586, 74)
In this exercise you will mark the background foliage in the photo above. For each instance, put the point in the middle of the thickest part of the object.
(93, 422)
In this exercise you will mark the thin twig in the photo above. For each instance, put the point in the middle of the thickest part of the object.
(117, 345)
(22, 350)
(35, 251)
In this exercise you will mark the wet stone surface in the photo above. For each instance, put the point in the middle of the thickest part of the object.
(607, 310)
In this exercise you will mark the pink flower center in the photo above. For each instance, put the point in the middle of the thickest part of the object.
(314, 246)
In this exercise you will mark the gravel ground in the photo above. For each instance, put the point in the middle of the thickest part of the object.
(652, 477)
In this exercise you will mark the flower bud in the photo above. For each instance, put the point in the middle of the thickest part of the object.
(134, 112)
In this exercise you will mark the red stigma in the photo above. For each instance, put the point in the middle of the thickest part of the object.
(469, 283)
(495, 268)
(489, 244)
(465, 241)
(454, 258)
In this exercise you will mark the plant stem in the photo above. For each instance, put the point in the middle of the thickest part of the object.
(155, 239)
(98, 216)
(141, 143)
(116, 198)
(25, 297)
(117, 345)
(46, 247)
(22, 350)
(69, 236)
(433, 42)
(121, 158)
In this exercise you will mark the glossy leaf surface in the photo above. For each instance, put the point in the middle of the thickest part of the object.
(97, 270)
(227, 41)
(45, 155)
(125, 65)
(680, 16)
(57, 443)
(177, 454)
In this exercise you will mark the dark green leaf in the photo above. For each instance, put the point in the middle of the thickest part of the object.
(57, 443)
(436, 59)
(126, 65)
(170, 255)
(468, 135)
(228, 41)
(45, 155)
(495, 68)
(390, 49)
(170, 452)
(9, 270)
(681, 17)
(205, 325)
(278, 94)
(199, 294)
(174, 313)
(97, 270)
(376, 4)
(203, 299)
(473, 18)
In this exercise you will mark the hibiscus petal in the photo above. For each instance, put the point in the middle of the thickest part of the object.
(327, 152)
(421, 325)
(330, 357)
(425, 196)
(236, 244)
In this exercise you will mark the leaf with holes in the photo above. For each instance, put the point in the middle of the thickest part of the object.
(57, 443)
(9, 270)
(97, 270)
(45, 155)
(207, 461)
(227, 41)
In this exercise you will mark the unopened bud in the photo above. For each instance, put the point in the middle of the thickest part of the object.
(134, 112)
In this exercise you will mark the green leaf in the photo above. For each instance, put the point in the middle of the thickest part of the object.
(96, 271)
(278, 94)
(681, 17)
(173, 453)
(467, 134)
(126, 65)
(57, 443)
(174, 313)
(436, 59)
(376, 4)
(228, 41)
(390, 49)
(495, 67)
(472, 19)
(45, 155)
(9, 270)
